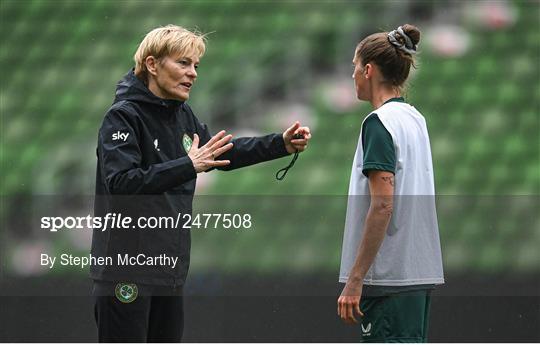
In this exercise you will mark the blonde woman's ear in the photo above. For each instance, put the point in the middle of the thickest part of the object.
(150, 63)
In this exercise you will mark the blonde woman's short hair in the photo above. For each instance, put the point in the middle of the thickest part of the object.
(166, 41)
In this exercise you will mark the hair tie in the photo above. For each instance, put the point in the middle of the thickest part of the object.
(407, 47)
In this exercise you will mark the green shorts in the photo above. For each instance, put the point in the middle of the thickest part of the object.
(396, 318)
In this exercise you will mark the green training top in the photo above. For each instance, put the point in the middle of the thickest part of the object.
(379, 151)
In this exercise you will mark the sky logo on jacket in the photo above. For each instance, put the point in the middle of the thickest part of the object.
(120, 136)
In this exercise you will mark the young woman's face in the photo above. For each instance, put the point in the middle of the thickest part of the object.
(360, 79)
(175, 76)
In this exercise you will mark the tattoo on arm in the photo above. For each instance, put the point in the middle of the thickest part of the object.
(389, 179)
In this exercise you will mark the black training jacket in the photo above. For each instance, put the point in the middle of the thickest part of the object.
(143, 171)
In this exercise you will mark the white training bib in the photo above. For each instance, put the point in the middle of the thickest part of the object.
(410, 253)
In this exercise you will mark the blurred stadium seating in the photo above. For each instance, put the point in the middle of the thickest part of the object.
(61, 60)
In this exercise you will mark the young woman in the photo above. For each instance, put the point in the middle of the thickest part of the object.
(391, 256)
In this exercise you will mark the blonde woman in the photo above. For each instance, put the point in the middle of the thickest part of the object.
(151, 147)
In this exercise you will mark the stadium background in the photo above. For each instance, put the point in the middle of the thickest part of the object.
(267, 64)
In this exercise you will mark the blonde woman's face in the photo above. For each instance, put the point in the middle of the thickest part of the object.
(175, 77)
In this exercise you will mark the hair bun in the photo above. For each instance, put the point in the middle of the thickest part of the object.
(405, 38)
(413, 33)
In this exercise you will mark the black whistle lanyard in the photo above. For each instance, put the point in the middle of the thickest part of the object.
(280, 175)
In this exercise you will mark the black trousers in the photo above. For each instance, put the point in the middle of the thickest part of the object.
(155, 315)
